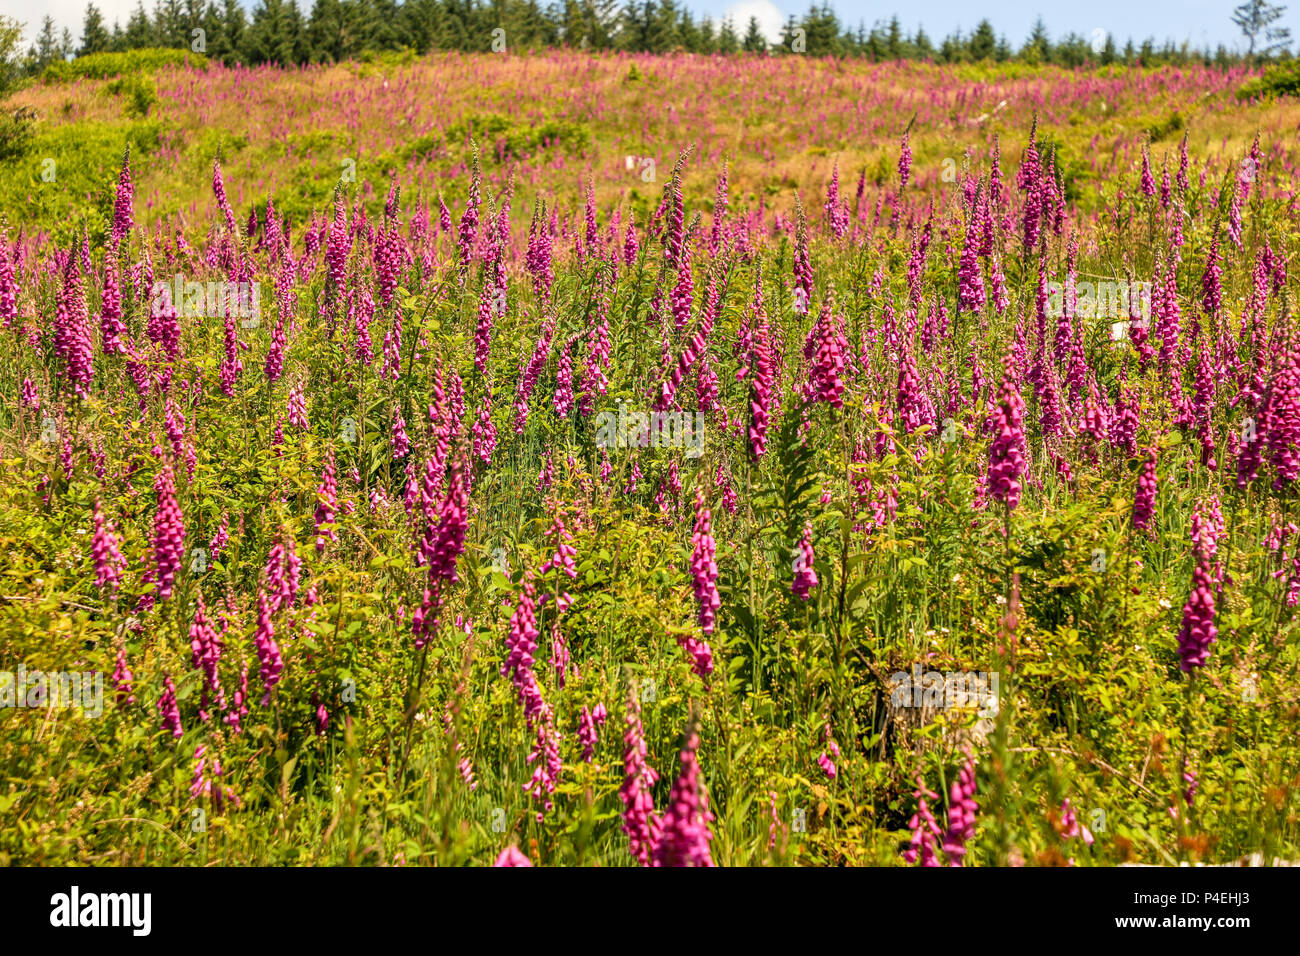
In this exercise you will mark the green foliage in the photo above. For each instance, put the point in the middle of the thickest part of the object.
(1279, 79)
(126, 64)
(84, 159)
(139, 94)
(1166, 127)
(503, 139)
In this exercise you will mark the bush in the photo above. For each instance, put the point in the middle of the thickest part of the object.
(16, 131)
(104, 65)
(1280, 79)
(138, 91)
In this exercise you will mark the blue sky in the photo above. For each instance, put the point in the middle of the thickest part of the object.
(1202, 22)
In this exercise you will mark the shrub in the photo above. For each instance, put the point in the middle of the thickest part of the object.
(132, 62)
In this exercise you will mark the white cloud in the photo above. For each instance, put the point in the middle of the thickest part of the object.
(66, 13)
(770, 18)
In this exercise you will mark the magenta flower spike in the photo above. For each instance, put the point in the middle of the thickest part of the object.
(168, 533)
(685, 836)
(1007, 453)
(640, 822)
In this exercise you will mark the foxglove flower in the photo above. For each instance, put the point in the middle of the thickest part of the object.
(805, 576)
(640, 822)
(1198, 631)
(168, 533)
(521, 644)
(905, 161)
(401, 443)
(970, 278)
(1070, 825)
(205, 656)
(219, 191)
(326, 503)
(122, 678)
(685, 836)
(545, 756)
(122, 202)
(1007, 454)
(511, 856)
(924, 827)
(827, 765)
(72, 341)
(268, 651)
(469, 220)
(704, 570)
(169, 709)
(825, 375)
(961, 815)
(1282, 436)
(109, 563)
(1144, 499)
(111, 327)
(563, 398)
(298, 407)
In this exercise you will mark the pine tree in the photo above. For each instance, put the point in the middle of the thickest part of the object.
(421, 23)
(387, 29)
(169, 24)
(1071, 52)
(604, 19)
(458, 27)
(665, 31)
(728, 41)
(894, 40)
(1038, 48)
(922, 45)
(983, 42)
(276, 34)
(1108, 51)
(638, 17)
(572, 23)
(754, 41)
(94, 36)
(788, 34)
(874, 45)
(139, 30)
(708, 40)
(11, 68)
(952, 49)
(46, 50)
(1255, 19)
(328, 32)
(823, 32)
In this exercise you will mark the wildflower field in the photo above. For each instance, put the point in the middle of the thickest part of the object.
(624, 460)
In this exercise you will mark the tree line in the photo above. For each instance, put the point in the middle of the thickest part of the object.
(279, 31)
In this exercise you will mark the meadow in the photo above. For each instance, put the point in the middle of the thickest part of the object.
(671, 460)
